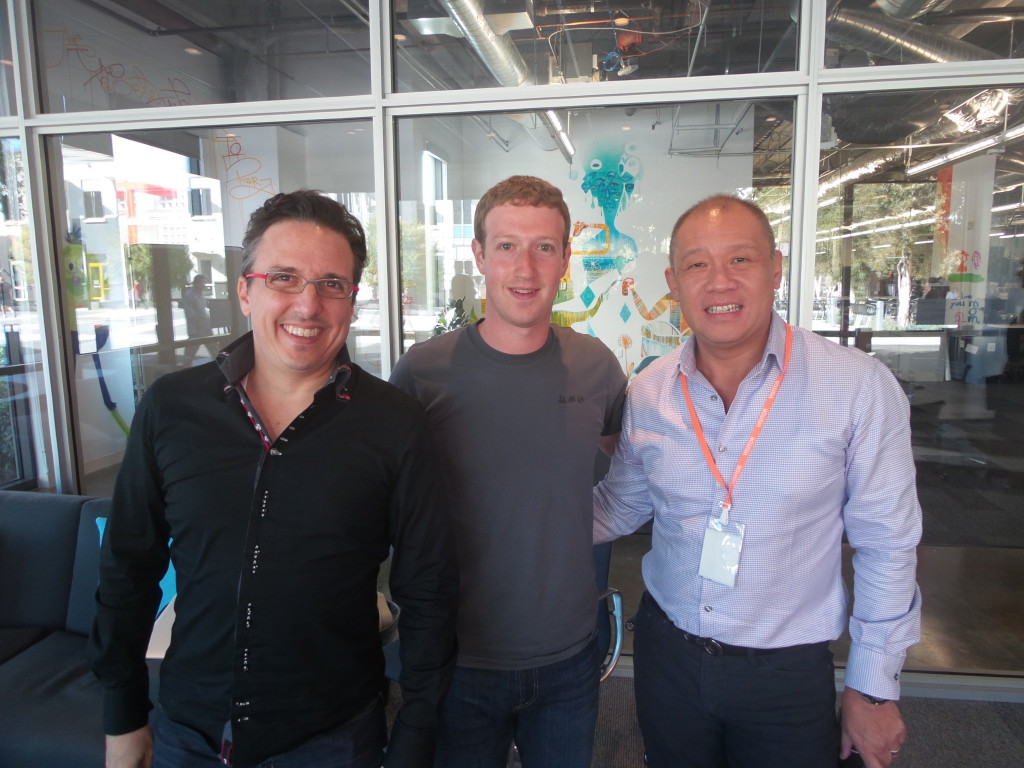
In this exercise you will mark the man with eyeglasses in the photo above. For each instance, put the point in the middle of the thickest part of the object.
(520, 407)
(276, 479)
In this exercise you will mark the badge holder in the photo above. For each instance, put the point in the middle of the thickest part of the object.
(720, 555)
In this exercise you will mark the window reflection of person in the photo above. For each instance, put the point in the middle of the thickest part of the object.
(463, 289)
(6, 294)
(197, 317)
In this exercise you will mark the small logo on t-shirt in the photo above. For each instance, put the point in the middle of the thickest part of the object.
(567, 399)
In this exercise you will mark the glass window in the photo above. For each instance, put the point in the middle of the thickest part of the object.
(920, 262)
(126, 55)
(921, 32)
(623, 172)
(152, 253)
(23, 417)
(456, 44)
(8, 104)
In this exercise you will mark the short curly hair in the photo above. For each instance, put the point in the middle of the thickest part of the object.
(521, 190)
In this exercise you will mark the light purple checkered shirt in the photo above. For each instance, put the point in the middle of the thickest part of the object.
(834, 451)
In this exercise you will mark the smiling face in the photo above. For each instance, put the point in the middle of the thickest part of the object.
(724, 275)
(298, 336)
(523, 258)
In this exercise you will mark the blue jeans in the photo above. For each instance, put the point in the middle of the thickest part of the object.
(358, 743)
(550, 711)
(759, 710)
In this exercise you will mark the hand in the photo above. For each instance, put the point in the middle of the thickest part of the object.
(131, 750)
(876, 731)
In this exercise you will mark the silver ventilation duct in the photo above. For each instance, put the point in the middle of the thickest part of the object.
(909, 9)
(537, 129)
(499, 55)
(497, 52)
(898, 40)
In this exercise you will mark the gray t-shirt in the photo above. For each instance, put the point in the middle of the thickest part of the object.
(517, 436)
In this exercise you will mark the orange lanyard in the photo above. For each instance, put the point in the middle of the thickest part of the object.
(726, 505)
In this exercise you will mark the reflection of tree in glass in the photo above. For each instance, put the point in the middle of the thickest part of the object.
(140, 260)
(881, 251)
(412, 255)
(8, 453)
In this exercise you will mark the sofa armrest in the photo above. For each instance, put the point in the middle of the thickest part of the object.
(38, 536)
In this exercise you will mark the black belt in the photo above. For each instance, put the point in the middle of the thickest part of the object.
(718, 648)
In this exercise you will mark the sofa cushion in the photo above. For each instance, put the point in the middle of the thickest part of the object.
(86, 574)
(14, 640)
(51, 708)
(38, 536)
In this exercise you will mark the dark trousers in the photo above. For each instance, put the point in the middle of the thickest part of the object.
(549, 711)
(757, 710)
(358, 743)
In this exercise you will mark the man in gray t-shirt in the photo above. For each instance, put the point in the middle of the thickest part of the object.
(519, 408)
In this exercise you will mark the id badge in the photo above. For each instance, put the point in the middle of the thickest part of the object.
(720, 556)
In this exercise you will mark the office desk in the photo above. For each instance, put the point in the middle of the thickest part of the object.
(979, 352)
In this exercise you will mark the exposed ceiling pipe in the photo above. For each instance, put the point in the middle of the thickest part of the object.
(908, 9)
(871, 162)
(898, 40)
(968, 21)
(902, 41)
(1011, 167)
(499, 55)
(497, 52)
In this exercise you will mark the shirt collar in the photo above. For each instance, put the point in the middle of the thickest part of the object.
(238, 357)
(774, 350)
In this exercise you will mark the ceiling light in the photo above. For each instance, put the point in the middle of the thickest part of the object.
(193, 52)
(628, 69)
(1015, 132)
(558, 133)
(621, 21)
(400, 38)
(956, 154)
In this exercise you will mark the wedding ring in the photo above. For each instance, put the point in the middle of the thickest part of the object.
(894, 751)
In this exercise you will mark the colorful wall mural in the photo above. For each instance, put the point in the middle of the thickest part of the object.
(599, 292)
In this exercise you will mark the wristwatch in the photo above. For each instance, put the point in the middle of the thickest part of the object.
(873, 699)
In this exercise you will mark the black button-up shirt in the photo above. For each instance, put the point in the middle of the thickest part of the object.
(276, 548)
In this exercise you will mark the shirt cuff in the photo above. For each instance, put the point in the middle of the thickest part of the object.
(874, 673)
(125, 709)
(410, 747)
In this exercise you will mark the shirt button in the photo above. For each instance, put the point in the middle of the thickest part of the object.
(714, 397)
(707, 608)
(721, 449)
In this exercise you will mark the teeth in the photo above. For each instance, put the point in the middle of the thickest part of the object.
(724, 308)
(522, 291)
(305, 332)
